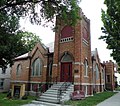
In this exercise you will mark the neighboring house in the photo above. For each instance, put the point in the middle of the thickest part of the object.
(5, 79)
(98, 72)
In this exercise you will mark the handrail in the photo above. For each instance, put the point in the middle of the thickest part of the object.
(63, 87)
(52, 80)
(39, 90)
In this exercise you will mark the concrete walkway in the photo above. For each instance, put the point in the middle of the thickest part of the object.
(112, 101)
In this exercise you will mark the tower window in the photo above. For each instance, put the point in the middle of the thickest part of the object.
(67, 34)
(85, 68)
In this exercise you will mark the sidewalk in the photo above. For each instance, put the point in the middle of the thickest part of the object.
(112, 101)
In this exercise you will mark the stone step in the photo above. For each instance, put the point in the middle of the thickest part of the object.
(55, 97)
(49, 100)
(56, 87)
(49, 95)
(52, 93)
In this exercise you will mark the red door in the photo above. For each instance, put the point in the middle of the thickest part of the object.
(66, 72)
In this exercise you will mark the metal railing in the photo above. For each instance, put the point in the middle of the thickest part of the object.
(42, 88)
(39, 90)
(63, 88)
(51, 81)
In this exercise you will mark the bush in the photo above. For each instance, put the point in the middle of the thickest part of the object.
(9, 94)
(24, 97)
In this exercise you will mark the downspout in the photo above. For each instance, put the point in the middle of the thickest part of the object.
(47, 72)
(100, 83)
(29, 75)
(105, 76)
(93, 74)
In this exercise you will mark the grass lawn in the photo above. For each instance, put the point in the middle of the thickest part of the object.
(92, 100)
(118, 88)
(13, 102)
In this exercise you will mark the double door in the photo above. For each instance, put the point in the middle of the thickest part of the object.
(66, 72)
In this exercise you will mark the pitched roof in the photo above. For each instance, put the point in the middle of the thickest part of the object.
(22, 56)
(50, 46)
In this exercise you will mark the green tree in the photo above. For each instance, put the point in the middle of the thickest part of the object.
(12, 40)
(37, 9)
(111, 21)
(29, 40)
(12, 45)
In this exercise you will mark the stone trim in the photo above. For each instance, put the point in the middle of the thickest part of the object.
(78, 63)
(45, 66)
(26, 81)
(88, 84)
(19, 81)
(55, 65)
(85, 42)
(77, 76)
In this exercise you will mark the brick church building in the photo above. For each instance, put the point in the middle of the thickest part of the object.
(69, 60)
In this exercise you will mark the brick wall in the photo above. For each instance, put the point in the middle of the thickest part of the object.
(109, 68)
(79, 48)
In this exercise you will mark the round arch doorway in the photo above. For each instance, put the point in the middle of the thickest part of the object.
(66, 68)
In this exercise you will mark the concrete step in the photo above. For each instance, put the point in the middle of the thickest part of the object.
(52, 90)
(49, 100)
(55, 97)
(51, 95)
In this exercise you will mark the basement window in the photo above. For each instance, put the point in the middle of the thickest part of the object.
(1, 83)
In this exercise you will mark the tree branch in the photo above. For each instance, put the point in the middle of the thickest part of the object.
(13, 3)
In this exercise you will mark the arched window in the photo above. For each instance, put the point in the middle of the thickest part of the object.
(67, 58)
(50, 68)
(85, 68)
(67, 31)
(67, 34)
(103, 74)
(36, 67)
(97, 71)
(18, 70)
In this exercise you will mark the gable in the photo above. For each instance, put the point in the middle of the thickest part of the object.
(39, 47)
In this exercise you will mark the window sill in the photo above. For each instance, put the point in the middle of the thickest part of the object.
(86, 76)
(36, 76)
